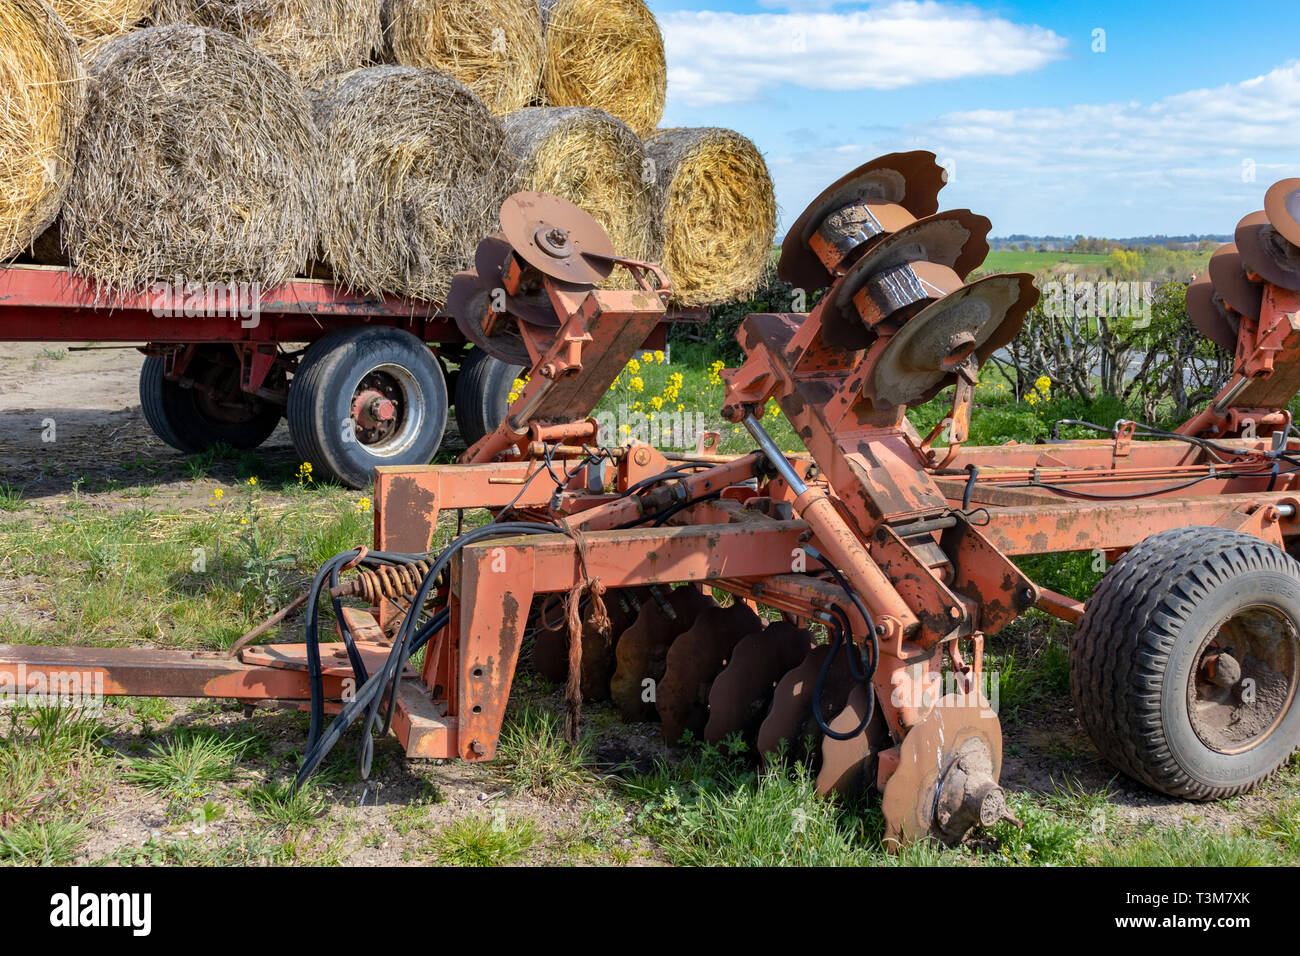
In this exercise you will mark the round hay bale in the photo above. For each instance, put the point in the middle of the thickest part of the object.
(595, 162)
(92, 19)
(416, 170)
(492, 46)
(198, 158)
(719, 213)
(311, 39)
(608, 54)
(42, 97)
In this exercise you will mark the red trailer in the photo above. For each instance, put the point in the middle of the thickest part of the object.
(362, 380)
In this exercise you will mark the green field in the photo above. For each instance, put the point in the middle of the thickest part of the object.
(1012, 260)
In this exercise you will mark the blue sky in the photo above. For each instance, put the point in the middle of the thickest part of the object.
(1160, 132)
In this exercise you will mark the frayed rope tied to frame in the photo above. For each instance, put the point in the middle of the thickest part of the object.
(599, 619)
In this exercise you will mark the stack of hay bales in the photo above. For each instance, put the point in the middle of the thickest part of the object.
(719, 213)
(197, 158)
(608, 54)
(246, 140)
(311, 39)
(42, 96)
(594, 161)
(494, 47)
(416, 171)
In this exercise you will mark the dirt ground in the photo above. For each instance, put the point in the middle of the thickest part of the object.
(90, 397)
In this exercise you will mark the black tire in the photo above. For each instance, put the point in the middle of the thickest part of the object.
(482, 394)
(185, 419)
(1141, 674)
(343, 365)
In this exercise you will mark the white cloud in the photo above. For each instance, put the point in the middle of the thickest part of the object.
(716, 58)
(1177, 164)
(1174, 165)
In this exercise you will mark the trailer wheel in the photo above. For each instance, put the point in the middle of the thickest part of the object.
(482, 394)
(214, 409)
(1186, 663)
(364, 397)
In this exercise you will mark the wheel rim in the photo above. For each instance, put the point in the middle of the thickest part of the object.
(1245, 679)
(388, 411)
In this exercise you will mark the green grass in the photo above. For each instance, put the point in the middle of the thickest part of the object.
(1028, 676)
(534, 757)
(1014, 260)
(480, 841)
(11, 498)
(188, 764)
(53, 771)
(50, 843)
(254, 847)
(1190, 846)
(279, 803)
(187, 578)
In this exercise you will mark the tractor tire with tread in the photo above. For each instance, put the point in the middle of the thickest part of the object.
(482, 394)
(1137, 660)
(321, 420)
(174, 415)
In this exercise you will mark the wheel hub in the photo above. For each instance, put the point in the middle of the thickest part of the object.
(1245, 678)
(387, 410)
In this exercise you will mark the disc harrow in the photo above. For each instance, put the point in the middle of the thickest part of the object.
(830, 606)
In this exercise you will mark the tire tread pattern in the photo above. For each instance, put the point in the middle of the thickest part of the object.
(1128, 631)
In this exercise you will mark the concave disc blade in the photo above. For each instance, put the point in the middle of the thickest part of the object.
(849, 766)
(643, 650)
(557, 238)
(468, 304)
(551, 646)
(911, 180)
(1229, 277)
(693, 661)
(1208, 314)
(791, 717)
(742, 694)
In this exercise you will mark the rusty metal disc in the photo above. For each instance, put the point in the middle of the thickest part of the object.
(550, 654)
(468, 303)
(1209, 315)
(1267, 253)
(897, 294)
(694, 660)
(1282, 203)
(742, 694)
(956, 238)
(1231, 282)
(530, 303)
(557, 238)
(959, 332)
(791, 717)
(926, 755)
(849, 766)
(642, 651)
(911, 180)
(551, 646)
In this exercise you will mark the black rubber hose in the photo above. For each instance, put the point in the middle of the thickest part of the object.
(407, 643)
(839, 639)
